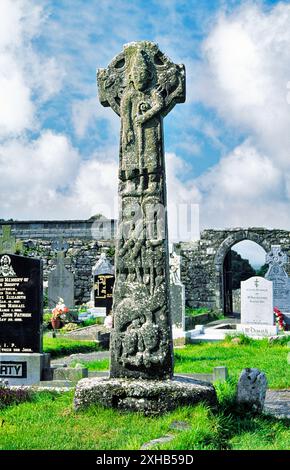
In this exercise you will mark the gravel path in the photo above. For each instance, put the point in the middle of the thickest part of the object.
(277, 403)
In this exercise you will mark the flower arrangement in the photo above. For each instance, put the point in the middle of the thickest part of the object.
(279, 318)
(60, 309)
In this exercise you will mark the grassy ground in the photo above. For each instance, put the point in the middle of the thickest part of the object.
(49, 422)
(202, 358)
(58, 347)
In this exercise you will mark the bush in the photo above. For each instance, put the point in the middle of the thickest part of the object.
(92, 321)
(193, 312)
(10, 396)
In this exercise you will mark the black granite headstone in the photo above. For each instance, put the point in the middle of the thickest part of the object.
(20, 304)
(103, 291)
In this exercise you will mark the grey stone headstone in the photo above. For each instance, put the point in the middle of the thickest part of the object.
(177, 298)
(276, 273)
(7, 241)
(60, 284)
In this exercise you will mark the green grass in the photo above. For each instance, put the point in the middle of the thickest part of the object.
(59, 347)
(270, 358)
(98, 365)
(193, 312)
(49, 422)
(203, 357)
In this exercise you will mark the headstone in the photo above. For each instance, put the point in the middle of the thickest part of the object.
(142, 85)
(177, 300)
(104, 279)
(276, 273)
(257, 316)
(21, 356)
(7, 241)
(60, 283)
(252, 388)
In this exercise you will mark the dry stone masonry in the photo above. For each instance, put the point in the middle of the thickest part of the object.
(83, 243)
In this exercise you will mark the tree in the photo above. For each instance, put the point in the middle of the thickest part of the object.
(262, 270)
(241, 270)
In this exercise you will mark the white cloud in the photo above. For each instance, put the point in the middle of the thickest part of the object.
(251, 251)
(87, 112)
(34, 175)
(23, 73)
(244, 175)
(244, 78)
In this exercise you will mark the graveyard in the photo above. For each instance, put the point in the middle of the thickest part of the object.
(116, 335)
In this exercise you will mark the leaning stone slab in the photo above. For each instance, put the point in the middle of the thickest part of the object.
(252, 387)
(147, 396)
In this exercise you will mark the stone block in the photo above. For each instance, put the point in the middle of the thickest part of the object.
(150, 397)
(220, 374)
(21, 369)
(256, 330)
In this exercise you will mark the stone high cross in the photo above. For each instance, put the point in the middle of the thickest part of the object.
(142, 85)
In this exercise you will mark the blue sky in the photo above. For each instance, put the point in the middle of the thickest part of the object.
(227, 147)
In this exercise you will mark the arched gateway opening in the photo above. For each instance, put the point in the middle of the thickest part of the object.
(226, 260)
(244, 260)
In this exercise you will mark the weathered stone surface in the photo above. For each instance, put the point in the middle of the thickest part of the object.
(157, 441)
(73, 374)
(142, 85)
(252, 387)
(146, 396)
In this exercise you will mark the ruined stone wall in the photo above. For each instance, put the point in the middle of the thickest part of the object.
(202, 261)
(85, 240)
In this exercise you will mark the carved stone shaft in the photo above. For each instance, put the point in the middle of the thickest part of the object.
(142, 85)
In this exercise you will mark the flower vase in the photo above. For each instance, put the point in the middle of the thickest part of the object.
(55, 322)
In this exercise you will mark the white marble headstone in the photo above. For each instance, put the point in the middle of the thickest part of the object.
(257, 301)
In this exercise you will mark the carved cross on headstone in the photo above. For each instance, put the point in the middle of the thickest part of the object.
(142, 85)
(276, 256)
(60, 246)
(277, 259)
(8, 241)
(256, 283)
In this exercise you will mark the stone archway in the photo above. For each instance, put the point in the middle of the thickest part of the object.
(202, 261)
(223, 286)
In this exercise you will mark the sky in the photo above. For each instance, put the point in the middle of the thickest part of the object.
(227, 148)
